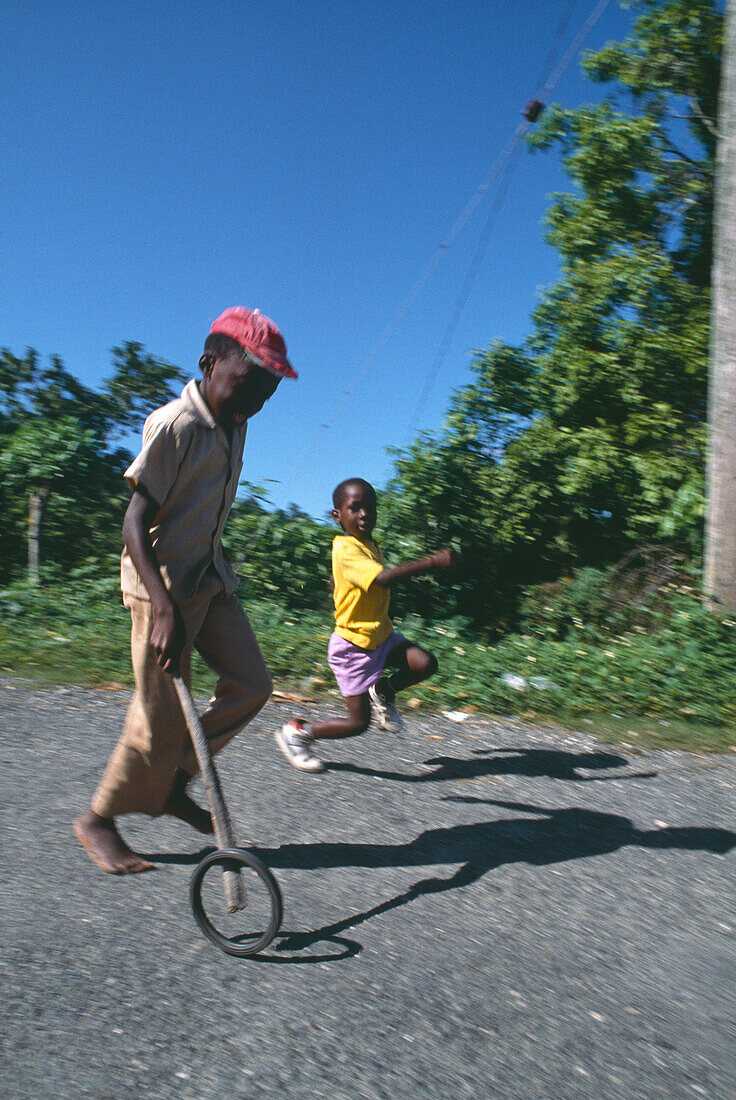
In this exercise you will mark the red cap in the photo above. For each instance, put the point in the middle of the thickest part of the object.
(257, 334)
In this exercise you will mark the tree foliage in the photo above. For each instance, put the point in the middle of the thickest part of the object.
(279, 555)
(60, 435)
(589, 438)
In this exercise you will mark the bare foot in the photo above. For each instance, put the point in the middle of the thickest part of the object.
(104, 845)
(182, 806)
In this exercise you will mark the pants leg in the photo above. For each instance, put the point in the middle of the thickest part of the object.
(140, 772)
(155, 741)
(228, 645)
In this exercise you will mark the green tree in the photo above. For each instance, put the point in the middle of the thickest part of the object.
(280, 555)
(60, 457)
(435, 499)
(590, 437)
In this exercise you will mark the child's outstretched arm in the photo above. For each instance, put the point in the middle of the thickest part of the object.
(441, 559)
(167, 636)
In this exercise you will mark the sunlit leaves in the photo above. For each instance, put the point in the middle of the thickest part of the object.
(590, 436)
(59, 434)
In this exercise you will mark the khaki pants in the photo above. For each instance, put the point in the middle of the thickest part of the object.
(155, 740)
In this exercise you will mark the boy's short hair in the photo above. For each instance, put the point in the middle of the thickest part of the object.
(220, 345)
(341, 490)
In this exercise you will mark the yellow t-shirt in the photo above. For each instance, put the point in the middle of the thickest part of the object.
(361, 607)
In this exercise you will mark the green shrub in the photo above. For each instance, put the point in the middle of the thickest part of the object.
(599, 603)
(675, 677)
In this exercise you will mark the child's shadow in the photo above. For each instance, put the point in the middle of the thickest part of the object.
(555, 836)
(552, 763)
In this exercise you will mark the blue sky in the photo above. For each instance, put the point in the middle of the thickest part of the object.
(161, 161)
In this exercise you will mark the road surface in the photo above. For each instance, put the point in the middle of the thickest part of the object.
(485, 909)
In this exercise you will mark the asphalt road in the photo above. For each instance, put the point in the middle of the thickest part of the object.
(478, 910)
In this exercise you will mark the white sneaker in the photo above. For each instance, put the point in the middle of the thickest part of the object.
(295, 744)
(386, 713)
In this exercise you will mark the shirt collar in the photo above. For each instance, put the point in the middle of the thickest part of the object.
(197, 404)
(192, 396)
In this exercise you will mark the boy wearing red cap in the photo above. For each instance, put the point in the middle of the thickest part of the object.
(179, 587)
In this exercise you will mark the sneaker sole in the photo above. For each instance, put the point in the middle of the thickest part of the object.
(310, 766)
(377, 707)
(392, 727)
(379, 711)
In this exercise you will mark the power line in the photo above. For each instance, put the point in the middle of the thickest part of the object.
(462, 297)
(487, 233)
(559, 32)
(470, 207)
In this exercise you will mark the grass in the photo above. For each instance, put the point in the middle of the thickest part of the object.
(670, 686)
(82, 637)
(638, 732)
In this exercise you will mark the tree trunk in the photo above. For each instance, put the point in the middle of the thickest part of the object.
(719, 580)
(35, 520)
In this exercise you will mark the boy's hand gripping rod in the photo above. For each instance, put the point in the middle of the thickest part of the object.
(234, 891)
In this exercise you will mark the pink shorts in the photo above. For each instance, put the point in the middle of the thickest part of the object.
(356, 669)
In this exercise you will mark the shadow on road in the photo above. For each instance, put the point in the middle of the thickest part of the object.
(547, 836)
(559, 836)
(550, 763)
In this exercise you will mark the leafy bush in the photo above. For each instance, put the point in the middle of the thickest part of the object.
(598, 603)
(76, 632)
(281, 556)
(578, 602)
(676, 677)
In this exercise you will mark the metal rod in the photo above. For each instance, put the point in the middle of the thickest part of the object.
(234, 891)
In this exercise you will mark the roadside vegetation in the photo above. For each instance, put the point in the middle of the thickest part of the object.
(666, 677)
(569, 472)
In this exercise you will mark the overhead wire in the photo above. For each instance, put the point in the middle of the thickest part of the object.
(469, 209)
(462, 299)
(562, 24)
(487, 232)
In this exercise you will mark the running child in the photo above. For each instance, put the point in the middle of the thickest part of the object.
(364, 645)
(179, 587)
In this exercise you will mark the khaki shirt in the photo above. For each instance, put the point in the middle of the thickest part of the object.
(188, 466)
